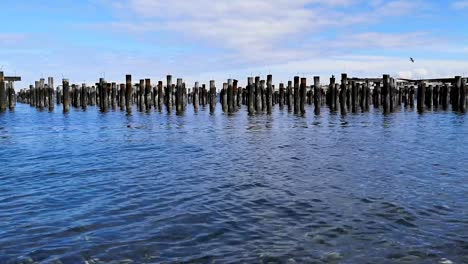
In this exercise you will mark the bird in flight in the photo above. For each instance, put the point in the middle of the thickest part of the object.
(411, 59)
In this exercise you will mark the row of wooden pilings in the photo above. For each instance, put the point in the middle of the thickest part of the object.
(7, 94)
(259, 96)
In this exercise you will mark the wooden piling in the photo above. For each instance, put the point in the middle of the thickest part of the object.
(281, 96)
(160, 95)
(420, 96)
(462, 100)
(230, 96)
(128, 92)
(385, 93)
(85, 96)
(224, 97)
(430, 96)
(184, 97)
(332, 92)
(3, 99)
(290, 96)
(344, 84)
(251, 95)
(391, 94)
(11, 96)
(66, 95)
(41, 93)
(196, 99)
(302, 95)
(212, 96)
(317, 95)
(141, 95)
(239, 95)
(296, 94)
(148, 88)
(169, 93)
(436, 96)
(354, 95)
(269, 94)
(455, 93)
(51, 92)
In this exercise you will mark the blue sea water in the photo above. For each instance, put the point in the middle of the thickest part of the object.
(92, 187)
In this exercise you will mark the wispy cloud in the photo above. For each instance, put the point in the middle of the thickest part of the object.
(254, 29)
(11, 39)
(460, 4)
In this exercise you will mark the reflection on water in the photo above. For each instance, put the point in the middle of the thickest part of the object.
(203, 188)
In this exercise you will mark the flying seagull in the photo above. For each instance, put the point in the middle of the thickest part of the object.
(411, 59)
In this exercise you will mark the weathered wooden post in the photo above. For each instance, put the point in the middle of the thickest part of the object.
(212, 96)
(281, 96)
(178, 95)
(3, 101)
(50, 84)
(155, 97)
(269, 93)
(332, 92)
(377, 95)
(41, 93)
(361, 96)
(141, 95)
(195, 97)
(73, 95)
(84, 96)
(160, 96)
(31, 95)
(113, 95)
(36, 94)
(348, 95)
(430, 96)
(420, 96)
(302, 95)
(169, 93)
(224, 96)
(296, 94)
(239, 95)
(258, 95)
(11, 96)
(59, 95)
(66, 95)
(391, 93)
(234, 95)
(128, 92)
(455, 93)
(251, 93)
(344, 84)
(366, 95)
(183, 100)
(148, 89)
(385, 92)
(290, 96)
(462, 101)
(354, 94)
(436, 96)
(105, 87)
(411, 96)
(230, 96)
(263, 94)
(122, 97)
(317, 95)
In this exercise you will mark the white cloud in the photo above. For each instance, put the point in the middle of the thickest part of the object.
(460, 4)
(256, 30)
(11, 38)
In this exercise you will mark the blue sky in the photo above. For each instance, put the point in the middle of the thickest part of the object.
(206, 39)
